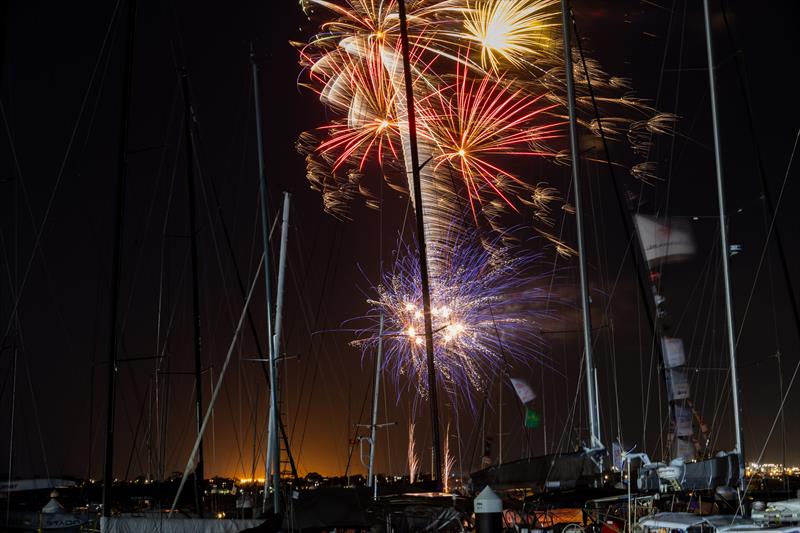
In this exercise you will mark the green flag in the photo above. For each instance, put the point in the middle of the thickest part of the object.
(532, 419)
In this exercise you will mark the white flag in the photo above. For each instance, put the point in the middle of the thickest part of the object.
(523, 390)
(665, 240)
(684, 448)
(673, 352)
(616, 455)
(683, 421)
(677, 384)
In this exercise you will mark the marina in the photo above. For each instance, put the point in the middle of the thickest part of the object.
(399, 265)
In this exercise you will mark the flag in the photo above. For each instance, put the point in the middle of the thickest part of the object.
(524, 391)
(532, 419)
(677, 384)
(665, 240)
(616, 455)
(684, 448)
(673, 352)
(683, 421)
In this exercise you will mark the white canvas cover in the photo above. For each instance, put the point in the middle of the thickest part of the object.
(673, 351)
(665, 240)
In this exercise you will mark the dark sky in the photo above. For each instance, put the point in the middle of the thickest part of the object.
(59, 141)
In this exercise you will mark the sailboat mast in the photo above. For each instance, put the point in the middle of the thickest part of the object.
(274, 416)
(423, 254)
(188, 120)
(116, 268)
(591, 390)
(263, 198)
(723, 231)
(376, 394)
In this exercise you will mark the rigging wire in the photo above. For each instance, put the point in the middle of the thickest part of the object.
(11, 435)
(766, 197)
(335, 244)
(60, 174)
(37, 246)
(19, 346)
(763, 252)
(163, 397)
(234, 340)
(655, 345)
(624, 214)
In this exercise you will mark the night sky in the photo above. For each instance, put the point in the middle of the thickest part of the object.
(61, 93)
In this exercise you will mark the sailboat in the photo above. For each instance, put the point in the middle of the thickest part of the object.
(688, 469)
(726, 470)
(583, 468)
(154, 521)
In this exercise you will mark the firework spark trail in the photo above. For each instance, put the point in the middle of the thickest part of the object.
(485, 306)
(449, 460)
(439, 196)
(413, 460)
(371, 122)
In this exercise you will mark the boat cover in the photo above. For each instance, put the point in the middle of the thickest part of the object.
(328, 508)
(141, 524)
(684, 521)
(706, 474)
(563, 471)
(22, 485)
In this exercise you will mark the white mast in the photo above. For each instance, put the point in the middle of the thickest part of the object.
(375, 397)
(723, 230)
(591, 390)
(273, 449)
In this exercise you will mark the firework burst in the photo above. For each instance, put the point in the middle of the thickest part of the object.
(511, 31)
(489, 84)
(474, 122)
(370, 128)
(489, 91)
(484, 313)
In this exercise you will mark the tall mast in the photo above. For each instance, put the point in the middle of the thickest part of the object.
(264, 200)
(119, 210)
(274, 450)
(723, 233)
(376, 394)
(188, 120)
(423, 254)
(591, 390)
